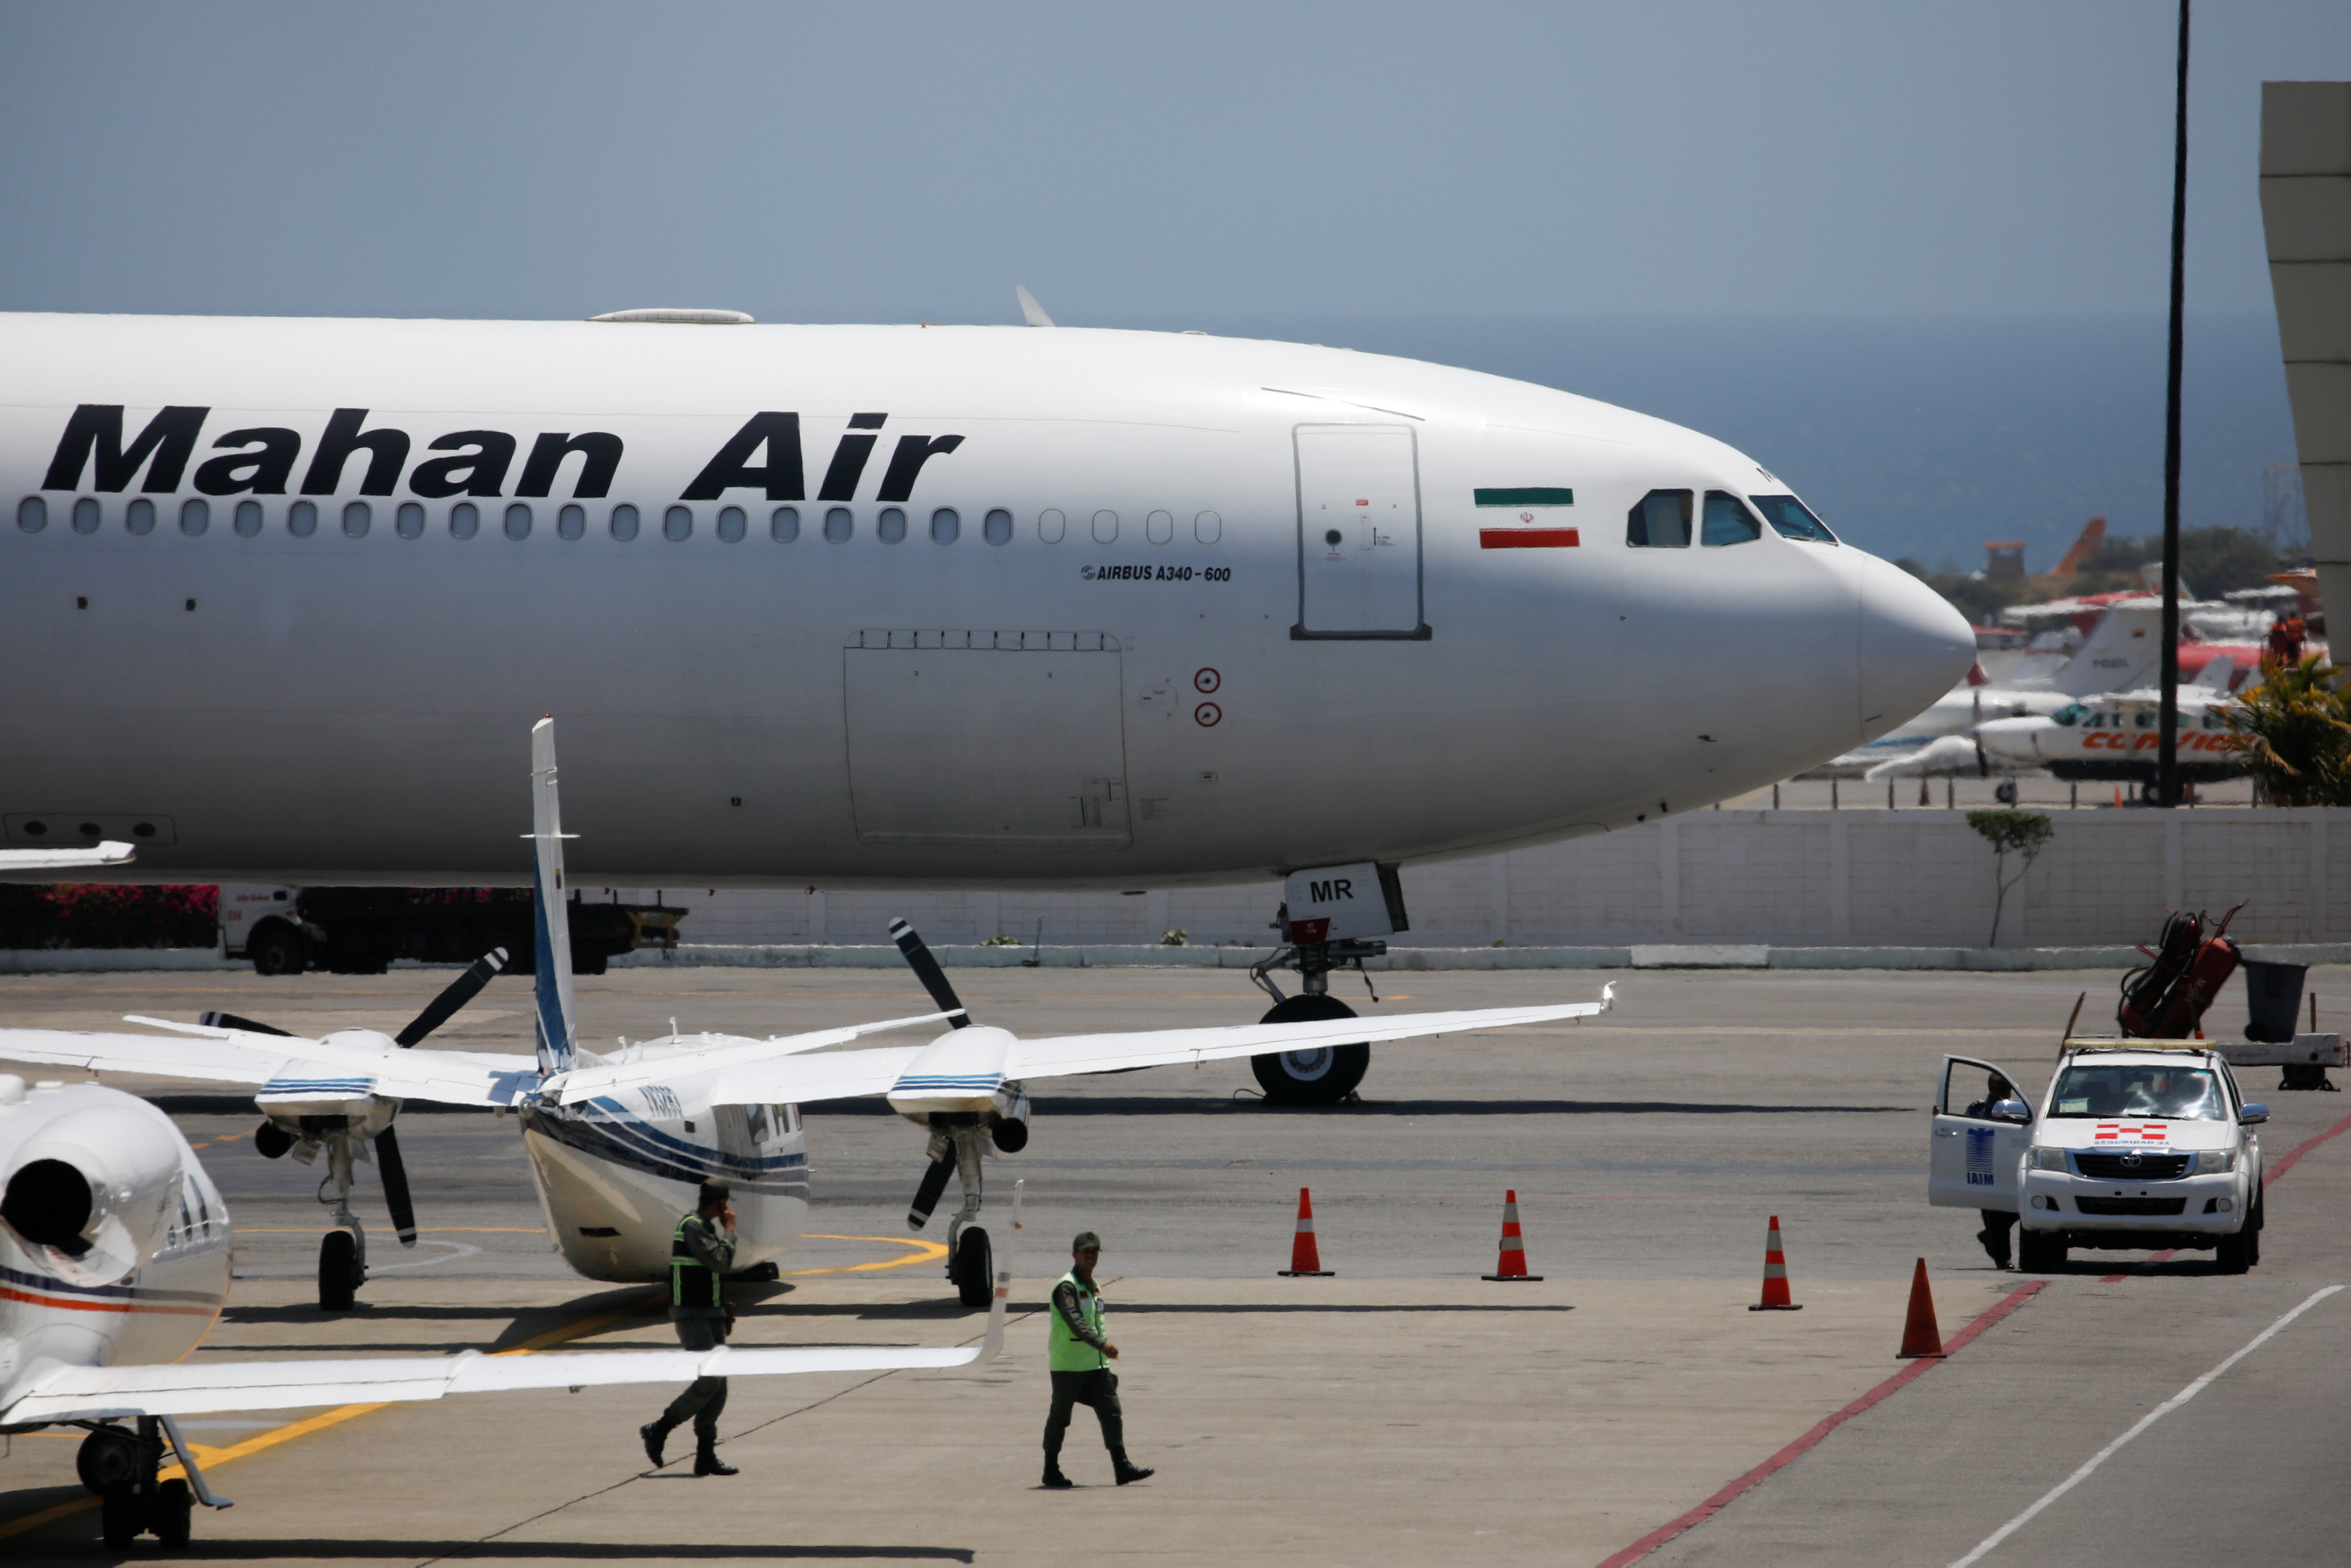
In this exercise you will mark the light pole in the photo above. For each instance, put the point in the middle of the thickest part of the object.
(2167, 756)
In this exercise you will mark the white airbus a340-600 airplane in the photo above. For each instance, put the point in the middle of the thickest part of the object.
(619, 1141)
(114, 1263)
(886, 606)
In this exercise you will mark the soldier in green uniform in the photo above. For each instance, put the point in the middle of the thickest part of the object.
(701, 1256)
(1080, 1358)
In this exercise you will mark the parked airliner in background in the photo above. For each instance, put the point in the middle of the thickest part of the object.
(619, 1142)
(886, 605)
(114, 1246)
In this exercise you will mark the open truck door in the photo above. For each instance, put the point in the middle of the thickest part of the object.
(1979, 1138)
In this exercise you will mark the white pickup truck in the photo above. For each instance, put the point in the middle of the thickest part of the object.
(2137, 1143)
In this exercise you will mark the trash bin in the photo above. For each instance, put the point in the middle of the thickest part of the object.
(2273, 1000)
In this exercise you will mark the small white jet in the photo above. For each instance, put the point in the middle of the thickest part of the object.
(619, 1141)
(114, 1250)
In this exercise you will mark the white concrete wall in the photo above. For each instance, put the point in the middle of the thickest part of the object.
(1789, 878)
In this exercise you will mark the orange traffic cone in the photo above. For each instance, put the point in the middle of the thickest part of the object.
(1775, 1275)
(1512, 1265)
(1304, 1260)
(1921, 1338)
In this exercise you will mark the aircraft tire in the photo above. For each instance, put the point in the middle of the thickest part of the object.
(1320, 1077)
(176, 1510)
(108, 1457)
(338, 1271)
(975, 1267)
(119, 1516)
(277, 950)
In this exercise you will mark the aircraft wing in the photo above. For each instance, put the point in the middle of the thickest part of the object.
(837, 1076)
(235, 1056)
(112, 852)
(1067, 1055)
(189, 1389)
(716, 1054)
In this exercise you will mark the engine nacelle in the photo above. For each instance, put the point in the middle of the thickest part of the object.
(89, 1187)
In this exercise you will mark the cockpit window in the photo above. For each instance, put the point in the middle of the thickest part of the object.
(2070, 715)
(1660, 521)
(1727, 521)
(1788, 516)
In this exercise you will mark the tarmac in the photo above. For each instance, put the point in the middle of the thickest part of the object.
(1403, 1411)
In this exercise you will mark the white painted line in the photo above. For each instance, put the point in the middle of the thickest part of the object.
(2149, 1420)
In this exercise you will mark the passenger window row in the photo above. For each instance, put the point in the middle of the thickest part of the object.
(1661, 520)
(838, 525)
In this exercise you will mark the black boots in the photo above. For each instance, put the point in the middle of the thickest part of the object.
(1995, 1246)
(1127, 1471)
(655, 1435)
(1053, 1476)
(707, 1461)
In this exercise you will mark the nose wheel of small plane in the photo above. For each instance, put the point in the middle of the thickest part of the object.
(342, 1270)
(971, 1267)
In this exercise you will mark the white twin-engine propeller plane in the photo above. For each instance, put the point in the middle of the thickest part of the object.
(114, 1262)
(619, 1141)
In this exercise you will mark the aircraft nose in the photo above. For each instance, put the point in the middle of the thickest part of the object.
(1913, 647)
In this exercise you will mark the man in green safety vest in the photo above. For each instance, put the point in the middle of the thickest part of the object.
(701, 1256)
(1079, 1357)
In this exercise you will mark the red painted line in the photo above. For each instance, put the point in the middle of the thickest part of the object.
(9, 1293)
(1528, 538)
(2274, 1173)
(1795, 1450)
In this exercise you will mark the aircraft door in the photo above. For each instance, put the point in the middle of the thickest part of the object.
(1359, 556)
(1973, 1154)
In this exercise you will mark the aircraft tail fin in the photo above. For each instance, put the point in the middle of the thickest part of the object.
(2218, 672)
(2122, 653)
(550, 921)
(2093, 533)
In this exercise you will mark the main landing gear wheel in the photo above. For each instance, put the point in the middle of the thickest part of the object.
(175, 1508)
(108, 1457)
(121, 1519)
(338, 1271)
(1323, 1076)
(973, 1268)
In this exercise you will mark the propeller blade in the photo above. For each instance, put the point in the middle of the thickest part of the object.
(459, 992)
(395, 1186)
(231, 1021)
(926, 1197)
(926, 969)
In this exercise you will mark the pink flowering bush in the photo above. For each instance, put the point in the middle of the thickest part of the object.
(107, 914)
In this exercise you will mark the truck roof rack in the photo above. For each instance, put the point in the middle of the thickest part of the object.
(2117, 1043)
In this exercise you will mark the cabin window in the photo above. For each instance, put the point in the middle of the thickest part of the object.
(838, 525)
(624, 523)
(891, 526)
(1727, 521)
(2070, 715)
(945, 527)
(1105, 527)
(571, 523)
(409, 521)
(678, 524)
(730, 525)
(85, 515)
(997, 527)
(302, 519)
(517, 521)
(1159, 528)
(247, 522)
(139, 518)
(464, 520)
(784, 525)
(2144, 720)
(195, 516)
(1207, 528)
(32, 514)
(1789, 518)
(1660, 521)
(1050, 526)
(356, 518)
